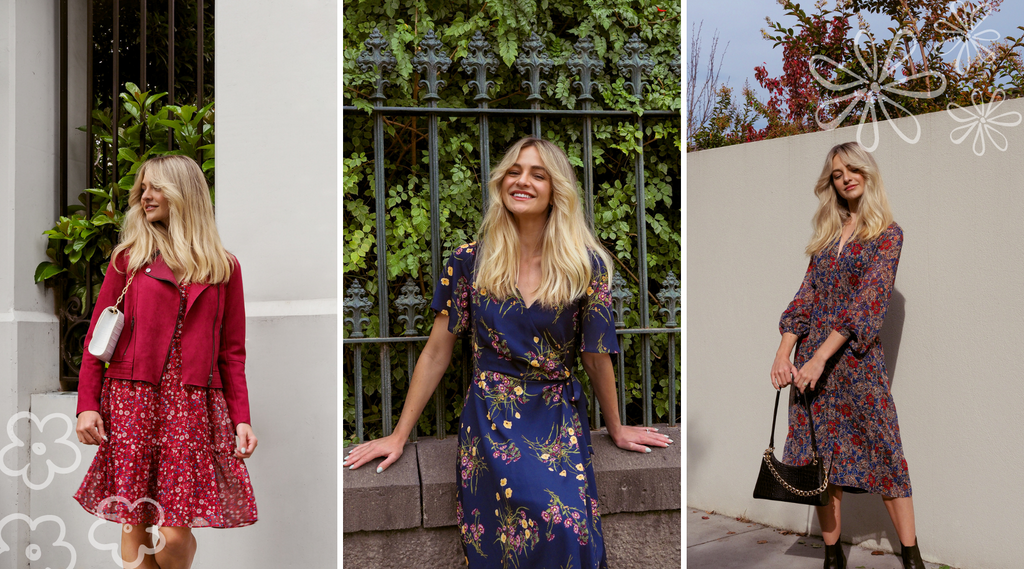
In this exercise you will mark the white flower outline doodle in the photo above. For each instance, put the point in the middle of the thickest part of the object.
(31, 554)
(965, 38)
(114, 548)
(18, 443)
(874, 88)
(984, 120)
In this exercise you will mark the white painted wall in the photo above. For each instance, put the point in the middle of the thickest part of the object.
(28, 177)
(952, 336)
(277, 187)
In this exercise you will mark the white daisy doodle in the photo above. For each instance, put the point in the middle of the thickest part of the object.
(982, 117)
(40, 448)
(964, 34)
(36, 551)
(114, 548)
(871, 85)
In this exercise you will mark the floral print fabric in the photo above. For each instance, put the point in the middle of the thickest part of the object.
(527, 497)
(856, 426)
(169, 455)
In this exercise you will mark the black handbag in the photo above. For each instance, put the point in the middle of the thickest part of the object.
(806, 484)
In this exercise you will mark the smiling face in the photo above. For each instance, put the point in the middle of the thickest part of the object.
(848, 182)
(154, 204)
(526, 187)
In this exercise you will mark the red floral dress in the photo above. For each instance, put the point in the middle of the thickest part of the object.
(855, 422)
(169, 455)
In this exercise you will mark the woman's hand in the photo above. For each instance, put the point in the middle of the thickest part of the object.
(637, 439)
(390, 447)
(246, 440)
(809, 374)
(90, 428)
(783, 371)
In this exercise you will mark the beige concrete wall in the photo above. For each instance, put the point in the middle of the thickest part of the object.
(952, 337)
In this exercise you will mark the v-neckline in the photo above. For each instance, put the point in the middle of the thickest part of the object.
(522, 298)
(842, 244)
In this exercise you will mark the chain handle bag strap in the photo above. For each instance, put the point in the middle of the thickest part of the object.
(108, 328)
(805, 484)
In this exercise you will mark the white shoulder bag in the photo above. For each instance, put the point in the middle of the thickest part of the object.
(108, 328)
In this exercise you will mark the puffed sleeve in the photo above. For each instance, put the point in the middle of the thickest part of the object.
(796, 318)
(597, 324)
(452, 293)
(90, 375)
(862, 319)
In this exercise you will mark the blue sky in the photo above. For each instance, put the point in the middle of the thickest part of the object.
(739, 23)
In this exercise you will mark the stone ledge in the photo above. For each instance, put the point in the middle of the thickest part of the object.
(419, 489)
(373, 502)
(650, 540)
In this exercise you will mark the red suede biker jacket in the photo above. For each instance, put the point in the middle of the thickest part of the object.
(212, 335)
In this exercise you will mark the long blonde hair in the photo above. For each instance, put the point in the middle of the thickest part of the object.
(566, 268)
(873, 212)
(189, 242)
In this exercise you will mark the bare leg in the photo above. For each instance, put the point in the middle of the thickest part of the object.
(901, 510)
(134, 537)
(829, 516)
(179, 548)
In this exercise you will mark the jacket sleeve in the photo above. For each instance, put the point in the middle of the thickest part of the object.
(231, 357)
(862, 319)
(796, 319)
(90, 375)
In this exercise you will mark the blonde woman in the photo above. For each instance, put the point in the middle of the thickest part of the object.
(531, 293)
(167, 409)
(834, 323)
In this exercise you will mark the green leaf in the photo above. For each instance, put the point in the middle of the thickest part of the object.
(46, 270)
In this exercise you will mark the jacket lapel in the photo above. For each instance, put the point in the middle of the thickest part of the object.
(158, 269)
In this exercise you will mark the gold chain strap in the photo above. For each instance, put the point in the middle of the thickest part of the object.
(804, 493)
(120, 298)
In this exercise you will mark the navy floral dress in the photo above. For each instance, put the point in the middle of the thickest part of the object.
(854, 414)
(527, 497)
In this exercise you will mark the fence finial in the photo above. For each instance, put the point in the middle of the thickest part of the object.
(635, 63)
(411, 302)
(620, 295)
(356, 304)
(429, 58)
(480, 61)
(669, 295)
(534, 59)
(377, 55)
(584, 62)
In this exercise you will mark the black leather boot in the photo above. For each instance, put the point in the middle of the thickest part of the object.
(834, 557)
(911, 556)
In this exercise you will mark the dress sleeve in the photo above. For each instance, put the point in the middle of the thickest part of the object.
(862, 319)
(796, 319)
(597, 324)
(452, 293)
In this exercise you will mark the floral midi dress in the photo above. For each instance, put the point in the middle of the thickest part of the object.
(169, 455)
(527, 497)
(855, 421)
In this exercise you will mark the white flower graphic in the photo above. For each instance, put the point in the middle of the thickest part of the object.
(964, 35)
(115, 548)
(40, 448)
(34, 551)
(983, 118)
(871, 87)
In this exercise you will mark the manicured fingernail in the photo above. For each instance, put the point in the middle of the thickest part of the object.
(670, 440)
(353, 467)
(379, 470)
(647, 450)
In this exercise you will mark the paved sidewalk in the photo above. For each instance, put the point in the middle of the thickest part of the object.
(718, 542)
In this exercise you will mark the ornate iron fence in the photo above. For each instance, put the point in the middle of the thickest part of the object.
(533, 62)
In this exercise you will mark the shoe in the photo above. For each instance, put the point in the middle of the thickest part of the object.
(911, 556)
(834, 558)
